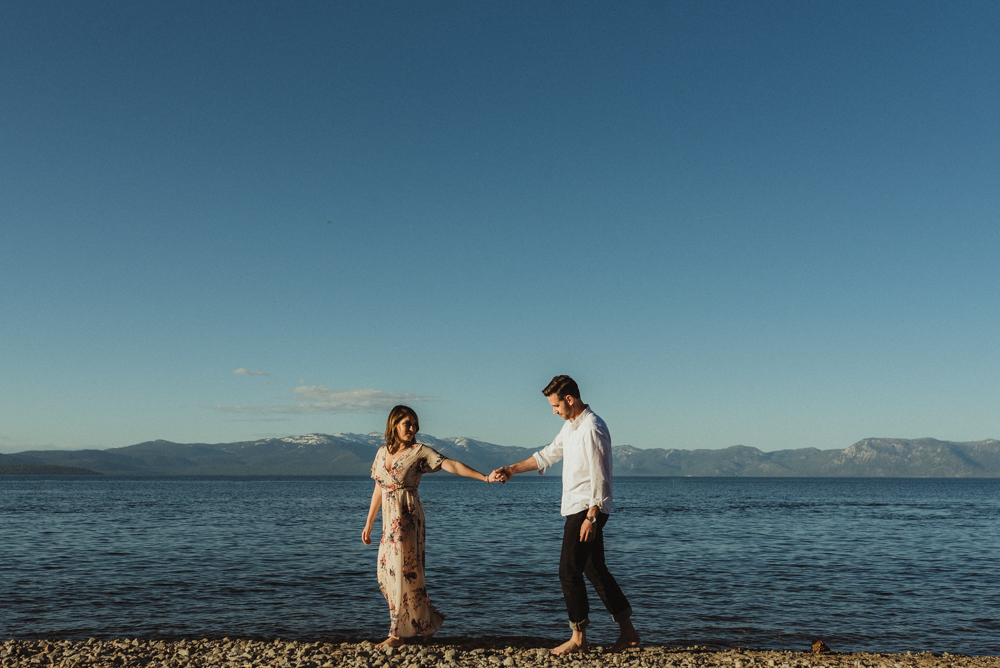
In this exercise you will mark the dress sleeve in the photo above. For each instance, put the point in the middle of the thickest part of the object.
(378, 455)
(430, 460)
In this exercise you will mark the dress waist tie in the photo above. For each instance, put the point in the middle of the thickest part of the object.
(399, 489)
(406, 497)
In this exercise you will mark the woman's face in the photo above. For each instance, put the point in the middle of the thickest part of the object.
(406, 430)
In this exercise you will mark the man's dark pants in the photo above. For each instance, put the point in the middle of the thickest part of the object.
(579, 558)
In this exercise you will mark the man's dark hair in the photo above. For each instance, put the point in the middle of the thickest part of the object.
(562, 386)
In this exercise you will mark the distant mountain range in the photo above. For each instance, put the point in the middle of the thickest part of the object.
(312, 454)
(352, 454)
(42, 469)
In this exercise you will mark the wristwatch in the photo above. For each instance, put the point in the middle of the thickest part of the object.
(592, 520)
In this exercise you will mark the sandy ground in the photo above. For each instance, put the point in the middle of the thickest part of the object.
(442, 653)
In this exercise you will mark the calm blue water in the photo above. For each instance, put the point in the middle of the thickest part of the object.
(882, 565)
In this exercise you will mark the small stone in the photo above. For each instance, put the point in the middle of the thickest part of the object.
(508, 662)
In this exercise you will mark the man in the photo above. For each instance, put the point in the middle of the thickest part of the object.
(584, 442)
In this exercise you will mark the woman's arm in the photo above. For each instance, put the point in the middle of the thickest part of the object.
(458, 468)
(376, 505)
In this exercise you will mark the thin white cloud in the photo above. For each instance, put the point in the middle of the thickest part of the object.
(247, 372)
(321, 399)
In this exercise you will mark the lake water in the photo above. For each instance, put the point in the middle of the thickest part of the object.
(864, 564)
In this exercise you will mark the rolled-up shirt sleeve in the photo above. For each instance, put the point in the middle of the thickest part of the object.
(597, 445)
(550, 455)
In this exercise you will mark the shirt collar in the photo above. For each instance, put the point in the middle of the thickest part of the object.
(579, 418)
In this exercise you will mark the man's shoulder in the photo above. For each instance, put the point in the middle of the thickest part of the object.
(591, 421)
(593, 418)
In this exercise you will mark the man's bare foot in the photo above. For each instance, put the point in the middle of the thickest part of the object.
(391, 641)
(570, 646)
(627, 639)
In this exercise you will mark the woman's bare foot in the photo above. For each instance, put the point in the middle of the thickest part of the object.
(571, 646)
(427, 639)
(391, 641)
(627, 638)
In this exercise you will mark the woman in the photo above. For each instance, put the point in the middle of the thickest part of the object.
(397, 469)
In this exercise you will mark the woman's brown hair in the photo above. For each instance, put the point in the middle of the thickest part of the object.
(396, 416)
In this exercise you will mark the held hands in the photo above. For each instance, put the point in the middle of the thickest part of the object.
(502, 474)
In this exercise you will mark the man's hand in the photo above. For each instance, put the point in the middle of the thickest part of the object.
(502, 474)
(587, 531)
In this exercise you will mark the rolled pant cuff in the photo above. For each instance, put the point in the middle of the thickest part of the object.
(579, 626)
(623, 615)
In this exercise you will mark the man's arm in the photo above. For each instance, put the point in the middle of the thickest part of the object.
(587, 530)
(504, 473)
(597, 450)
(547, 456)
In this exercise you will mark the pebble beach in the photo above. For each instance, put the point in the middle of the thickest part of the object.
(245, 653)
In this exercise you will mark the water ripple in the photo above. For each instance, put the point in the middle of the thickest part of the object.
(885, 565)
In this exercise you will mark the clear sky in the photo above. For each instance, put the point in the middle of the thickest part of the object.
(767, 223)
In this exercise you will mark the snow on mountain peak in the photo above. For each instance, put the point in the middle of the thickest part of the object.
(307, 439)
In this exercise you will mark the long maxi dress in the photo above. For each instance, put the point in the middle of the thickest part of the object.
(401, 549)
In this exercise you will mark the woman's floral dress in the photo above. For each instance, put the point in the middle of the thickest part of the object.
(401, 550)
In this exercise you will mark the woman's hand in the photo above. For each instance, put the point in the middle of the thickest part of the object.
(366, 533)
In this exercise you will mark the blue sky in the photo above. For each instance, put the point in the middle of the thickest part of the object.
(767, 223)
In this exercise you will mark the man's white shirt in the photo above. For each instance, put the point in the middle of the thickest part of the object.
(584, 445)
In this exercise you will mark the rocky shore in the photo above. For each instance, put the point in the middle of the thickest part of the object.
(245, 653)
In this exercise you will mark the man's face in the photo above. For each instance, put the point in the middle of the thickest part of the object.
(562, 406)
